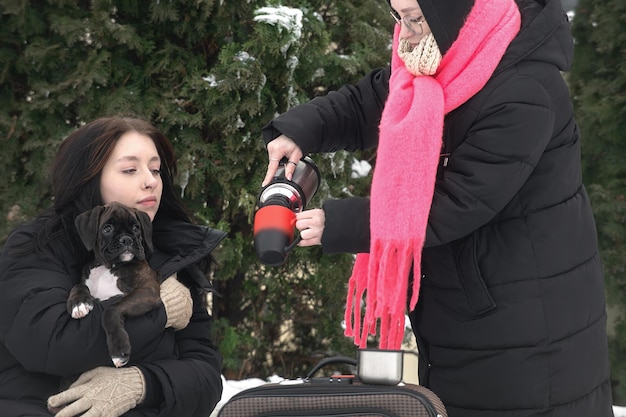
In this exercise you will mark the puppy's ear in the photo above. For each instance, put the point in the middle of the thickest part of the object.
(87, 226)
(146, 226)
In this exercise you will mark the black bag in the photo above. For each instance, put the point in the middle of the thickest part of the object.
(338, 395)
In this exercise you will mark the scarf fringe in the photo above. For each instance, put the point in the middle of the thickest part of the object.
(384, 275)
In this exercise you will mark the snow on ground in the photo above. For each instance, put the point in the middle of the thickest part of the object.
(233, 387)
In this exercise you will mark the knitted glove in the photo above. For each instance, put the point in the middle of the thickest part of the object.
(178, 303)
(101, 392)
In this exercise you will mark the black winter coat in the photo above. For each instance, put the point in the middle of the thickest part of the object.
(511, 317)
(41, 346)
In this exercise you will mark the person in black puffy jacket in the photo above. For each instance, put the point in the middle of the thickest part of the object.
(174, 368)
(477, 215)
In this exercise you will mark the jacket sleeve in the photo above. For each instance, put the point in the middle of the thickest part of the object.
(190, 385)
(493, 161)
(35, 325)
(347, 227)
(346, 119)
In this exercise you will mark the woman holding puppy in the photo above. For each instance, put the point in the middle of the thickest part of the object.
(52, 364)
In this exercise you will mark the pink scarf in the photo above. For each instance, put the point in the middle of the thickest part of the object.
(403, 184)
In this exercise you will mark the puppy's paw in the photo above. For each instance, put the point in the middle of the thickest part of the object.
(120, 361)
(80, 301)
(118, 341)
(81, 309)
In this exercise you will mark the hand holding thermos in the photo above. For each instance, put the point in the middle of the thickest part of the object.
(279, 201)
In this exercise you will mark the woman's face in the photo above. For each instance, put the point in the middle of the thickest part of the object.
(414, 26)
(132, 174)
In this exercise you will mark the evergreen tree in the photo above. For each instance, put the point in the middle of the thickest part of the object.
(210, 74)
(598, 85)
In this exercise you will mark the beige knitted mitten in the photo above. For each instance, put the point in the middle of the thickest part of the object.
(178, 303)
(101, 392)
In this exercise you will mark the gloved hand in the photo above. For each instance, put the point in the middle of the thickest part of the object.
(101, 392)
(178, 303)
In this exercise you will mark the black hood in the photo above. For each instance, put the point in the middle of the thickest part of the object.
(545, 36)
(179, 246)
(445, 19)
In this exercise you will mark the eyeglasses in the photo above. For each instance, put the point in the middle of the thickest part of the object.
(414, 24)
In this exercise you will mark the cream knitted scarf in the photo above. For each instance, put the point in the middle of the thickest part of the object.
(423, 59)
(403, 184)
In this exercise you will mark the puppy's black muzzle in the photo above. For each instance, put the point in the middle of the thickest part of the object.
(124, 244)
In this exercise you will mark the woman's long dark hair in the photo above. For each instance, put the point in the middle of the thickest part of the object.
(75, 179)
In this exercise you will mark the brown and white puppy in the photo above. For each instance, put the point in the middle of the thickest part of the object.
(120, 238)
